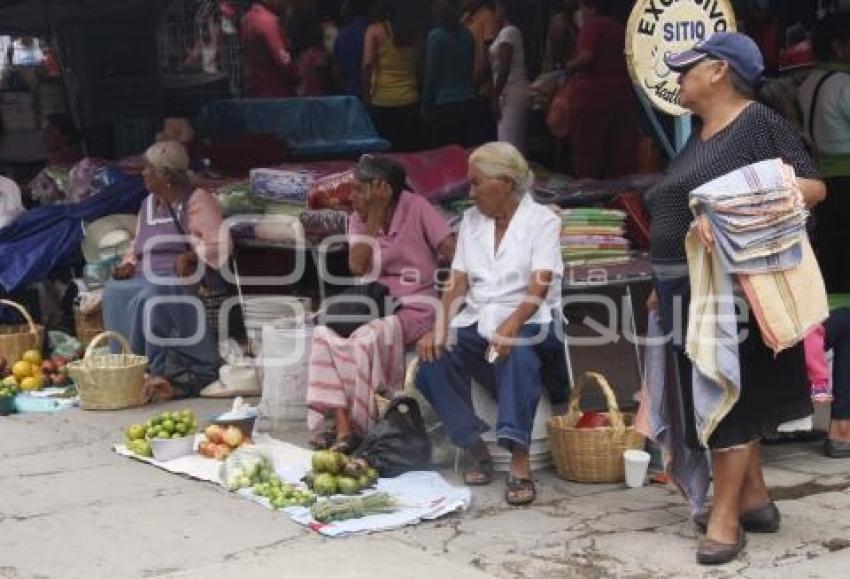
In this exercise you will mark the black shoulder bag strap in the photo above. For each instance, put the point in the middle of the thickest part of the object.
(814, 105)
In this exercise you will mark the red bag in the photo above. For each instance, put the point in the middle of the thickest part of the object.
(331, 192)
(638, 220)
(558, 115)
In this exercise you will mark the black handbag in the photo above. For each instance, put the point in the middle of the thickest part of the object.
(398, 443)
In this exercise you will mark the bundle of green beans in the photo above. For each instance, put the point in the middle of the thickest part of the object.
(344, 508)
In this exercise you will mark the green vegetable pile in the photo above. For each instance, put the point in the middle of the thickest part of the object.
(344, 508)
(334, 473)
(253, 470)
(9, 390)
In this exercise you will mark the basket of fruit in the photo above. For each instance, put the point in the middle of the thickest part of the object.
(17, 339)
(32, 373)
(110, 381)
(589, 446)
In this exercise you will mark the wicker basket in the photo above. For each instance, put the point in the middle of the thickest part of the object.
(110, 381)
(88, 325)
(17, 339)
(592, 454)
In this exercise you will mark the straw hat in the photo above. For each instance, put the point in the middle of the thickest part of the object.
(108, 236)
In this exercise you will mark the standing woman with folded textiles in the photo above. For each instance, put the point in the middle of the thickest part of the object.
(718, 79)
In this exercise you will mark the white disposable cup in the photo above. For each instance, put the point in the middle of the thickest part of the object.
(637, 463)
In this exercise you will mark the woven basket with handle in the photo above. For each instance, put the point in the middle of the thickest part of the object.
(17, 339)
(110, 381)
(592, 454)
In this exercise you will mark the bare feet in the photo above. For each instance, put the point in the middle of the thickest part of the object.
(480, 466)
(520, 486)
(159, 388)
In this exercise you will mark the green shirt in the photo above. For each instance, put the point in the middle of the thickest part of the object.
(450, 59)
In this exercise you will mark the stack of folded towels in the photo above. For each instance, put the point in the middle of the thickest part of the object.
(593, 236)
(757, 216)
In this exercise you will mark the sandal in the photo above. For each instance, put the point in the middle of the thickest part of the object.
(347, 444)
(520, 491)
(480, 474)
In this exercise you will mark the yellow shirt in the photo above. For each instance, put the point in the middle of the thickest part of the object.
(394, 82)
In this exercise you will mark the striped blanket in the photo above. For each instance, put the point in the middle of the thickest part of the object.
(348, 372)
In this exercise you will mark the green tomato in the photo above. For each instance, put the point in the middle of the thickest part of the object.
(163, 434)
(136, 432)
(177, 435)
(143, 448)
(167, 425)
(181, 428)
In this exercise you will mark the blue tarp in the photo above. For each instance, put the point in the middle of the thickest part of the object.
(336, 126)
(49, 237)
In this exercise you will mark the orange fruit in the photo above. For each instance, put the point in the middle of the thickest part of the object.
(21, 370)
(31, 383)
(33, 357)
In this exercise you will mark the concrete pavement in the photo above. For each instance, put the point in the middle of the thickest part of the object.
(70, 507)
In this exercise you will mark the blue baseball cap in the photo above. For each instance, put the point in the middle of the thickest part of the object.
(739, 50)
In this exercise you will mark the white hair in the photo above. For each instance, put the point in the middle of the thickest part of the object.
(168, 155)
(499, 160)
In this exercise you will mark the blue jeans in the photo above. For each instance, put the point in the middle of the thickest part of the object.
(515, 382)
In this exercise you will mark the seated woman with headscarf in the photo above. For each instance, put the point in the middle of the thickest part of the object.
(398, 238)
(506, 278)
(152, 299)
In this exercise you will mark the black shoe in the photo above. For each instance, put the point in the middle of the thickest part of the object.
(764, 519)
(836, 448)
(714, 553)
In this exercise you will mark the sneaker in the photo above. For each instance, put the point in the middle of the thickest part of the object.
(821, 394)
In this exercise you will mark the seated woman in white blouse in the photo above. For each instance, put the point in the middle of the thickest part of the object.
(499, 300)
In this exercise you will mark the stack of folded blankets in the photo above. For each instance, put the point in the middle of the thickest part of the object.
(757, 215)
(593, 236)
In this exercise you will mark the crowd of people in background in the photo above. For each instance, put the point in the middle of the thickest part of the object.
(443, 72)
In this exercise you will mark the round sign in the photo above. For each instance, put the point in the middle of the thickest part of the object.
(660, 27)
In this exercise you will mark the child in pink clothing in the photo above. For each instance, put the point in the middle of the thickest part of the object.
(816, 367)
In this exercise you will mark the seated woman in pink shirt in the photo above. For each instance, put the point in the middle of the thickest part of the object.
(397, 238)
